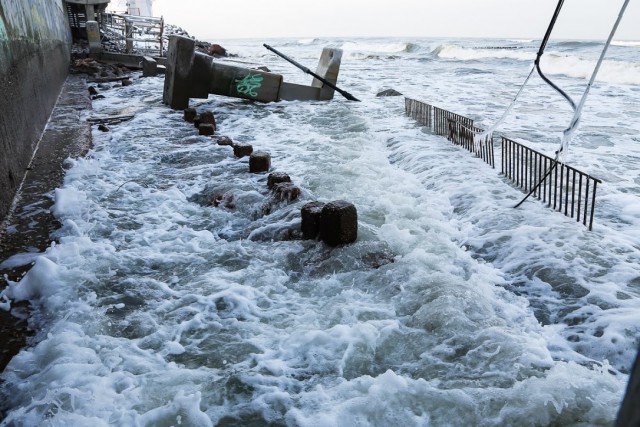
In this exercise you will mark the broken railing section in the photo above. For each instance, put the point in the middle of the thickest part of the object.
(565, 189)
(192, 74)
(456, 128)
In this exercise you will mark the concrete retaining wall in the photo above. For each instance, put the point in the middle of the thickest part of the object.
(35, 45)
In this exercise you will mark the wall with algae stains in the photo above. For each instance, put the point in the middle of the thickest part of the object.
(35, 45)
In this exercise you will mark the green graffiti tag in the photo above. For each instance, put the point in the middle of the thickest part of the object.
(247, 85)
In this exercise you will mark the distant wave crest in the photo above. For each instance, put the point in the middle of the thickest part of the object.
(449, 51)
(612, 71)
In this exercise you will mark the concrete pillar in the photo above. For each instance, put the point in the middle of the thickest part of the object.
(328, 68)
(93, 36)
(90, 11)
(128, 30)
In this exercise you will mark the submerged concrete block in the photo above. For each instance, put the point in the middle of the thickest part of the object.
(276, 178)
(206, 129)
(286, 191)
(310, 219)
(242, 150)
(190, 114)
(339, 223)
(208, 117)
(260, 161)
(224, 140)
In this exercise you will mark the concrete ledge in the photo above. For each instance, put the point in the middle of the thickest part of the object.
(66, 135)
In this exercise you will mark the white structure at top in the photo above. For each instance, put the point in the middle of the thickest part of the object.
(140, 7)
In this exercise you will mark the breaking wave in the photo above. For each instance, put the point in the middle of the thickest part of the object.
(618, 72)
(448, 51)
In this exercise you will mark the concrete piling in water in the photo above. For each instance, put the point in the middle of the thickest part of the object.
(242, 150)
(310, 215)
(209, 118)
(206, 129)
(224, 140)
(286, 191)
(339, 223)
(276, 178)
(190, 114)
(259, 161)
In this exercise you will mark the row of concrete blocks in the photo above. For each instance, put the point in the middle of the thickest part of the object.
(335, 223)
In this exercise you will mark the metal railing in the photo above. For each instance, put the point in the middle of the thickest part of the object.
(456, 128)
(132, 34)
(419, 111)
(562, 187)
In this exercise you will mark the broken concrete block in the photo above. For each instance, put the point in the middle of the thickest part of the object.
(276, 178)
(286, 191)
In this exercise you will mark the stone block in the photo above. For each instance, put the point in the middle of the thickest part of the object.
(276, 178)
(149, 67)
(241, 150)
(208, 117)
(224, 140)
(310, 219)
(206, 129)
(339, 223)
(260, 161)
(190, 114)
(286, 191)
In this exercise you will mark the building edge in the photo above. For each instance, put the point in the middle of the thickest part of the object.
(35, 52)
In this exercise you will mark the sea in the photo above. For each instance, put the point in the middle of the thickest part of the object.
(178, 293)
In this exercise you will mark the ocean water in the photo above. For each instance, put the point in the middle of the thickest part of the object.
(156, 308)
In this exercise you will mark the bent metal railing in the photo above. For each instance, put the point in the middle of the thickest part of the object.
(564, 188)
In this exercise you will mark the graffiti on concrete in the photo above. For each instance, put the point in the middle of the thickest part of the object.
(247, 85)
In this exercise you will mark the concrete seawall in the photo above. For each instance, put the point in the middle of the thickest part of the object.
(35, 45)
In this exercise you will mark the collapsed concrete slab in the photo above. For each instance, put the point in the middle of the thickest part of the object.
(192, 74)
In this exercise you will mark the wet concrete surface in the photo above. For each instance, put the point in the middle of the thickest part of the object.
(30, 225)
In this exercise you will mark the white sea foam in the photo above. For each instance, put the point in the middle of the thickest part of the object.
(618, 72)
(449, 51)
(158, 308)
(626, 43)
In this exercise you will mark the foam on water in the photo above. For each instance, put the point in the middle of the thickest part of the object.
(157, 308)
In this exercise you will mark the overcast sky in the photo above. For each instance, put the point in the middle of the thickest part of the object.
(580, 19)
